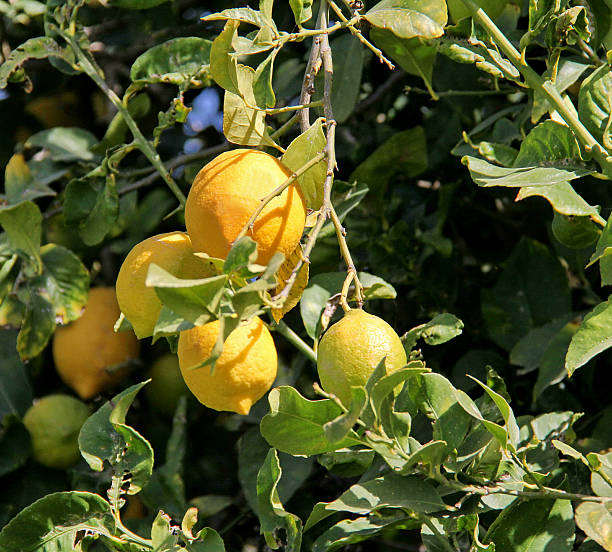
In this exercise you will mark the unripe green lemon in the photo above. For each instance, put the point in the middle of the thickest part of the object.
(352, 348)
(574, 232)
(166, 386)
(54, 423)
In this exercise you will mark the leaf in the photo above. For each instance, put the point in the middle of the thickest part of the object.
(592, 337)
(548, 141)
(242, 255)
(440, 329)
(301, 150)
(348, 55)
(296, 425)
(272, 514)
(184, 62)
(411, 55)
(485, 174)
(601, 464)
(262, 82)
(38, 323)
(136, 4)
(252, 451)
(65, 281)
(326, 284)
(405, 152)
(20, 184)
(338, 428)
(302, 11)
(65, 143)
(105, 437)
(390, 491)
(595, 104)
(351, 199)
(602, 250)
(534, 525)
(410, 18)
(245, 15)
(35, 48)
(500, 433)
(92, 203)
(531, 291)
(23, 225)
(195, 300)
(243, 125)
(15, 442)
(596, 521)
(283, 274)
(562, 198)
(53, 516)
(15, 389)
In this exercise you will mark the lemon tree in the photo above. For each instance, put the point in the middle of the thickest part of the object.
(354, 253)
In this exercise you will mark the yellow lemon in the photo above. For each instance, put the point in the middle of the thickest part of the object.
(172, 252)
(87, 351)
(352, 348)
(243, 373)
(54, 423)
(225, 194)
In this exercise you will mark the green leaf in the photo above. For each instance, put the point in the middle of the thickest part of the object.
(92, 203)
(562, 198)
(245, 15)
(15, 389)
(272, 514)
(532, 290)
(596, 521)
(65, 143)
(338, 428)
(440, 329)
(410, 18)
(500, 433)
(302, 10)
(242, 255)
(163, 537)
(40, 47)
(262, 82)
(52, 517)
(19, 183)
(485, 174)
(65, 281)
(23, 225)
(548, 141)
(223, 67)
(38, 323)
(105, 437)
(299, 152)
(411, 55)
(348, 54)
(389, 491)
(195, 300)
(534, 525)
(323, 286)
(436, 398)
(252, 451)
(405, 152)
(15, 442)
(592, 337)
(595, 104)
(296, 425)
(184, 62)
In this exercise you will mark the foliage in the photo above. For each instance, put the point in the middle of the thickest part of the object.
(472, 180)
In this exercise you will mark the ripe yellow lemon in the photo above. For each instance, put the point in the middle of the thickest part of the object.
(225, 194)
(243, 373)
(87, 351)
(352, 348)
(172, 252)
(166, 386)
(54, 423)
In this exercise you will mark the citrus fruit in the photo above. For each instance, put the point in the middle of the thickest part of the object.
(242, 374)
(573, 231)
(173, 253)
(228, 190)
(166, 386)
(54, 423)
(88, 351)
(352, 348)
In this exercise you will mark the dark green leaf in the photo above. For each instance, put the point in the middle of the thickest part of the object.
(38, 324)
(603, 249)
(262, 82)
(348, 54)
(15, 442)
(548, 141)
(15, 389)
(296, 425)
(338, 428)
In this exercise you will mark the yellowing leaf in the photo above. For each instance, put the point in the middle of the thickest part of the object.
(283, 274)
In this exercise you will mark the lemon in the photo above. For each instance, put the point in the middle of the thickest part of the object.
(228, 190)
(172, 252)
(166, 386)
(242, 374)
(54, 423)
(87, 352)
(352, 348)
